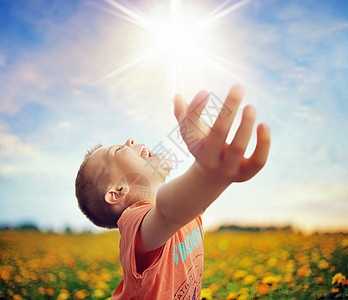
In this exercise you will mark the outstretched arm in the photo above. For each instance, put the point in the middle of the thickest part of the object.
(217, 165)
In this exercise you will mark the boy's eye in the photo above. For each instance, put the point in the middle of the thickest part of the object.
(117, 148)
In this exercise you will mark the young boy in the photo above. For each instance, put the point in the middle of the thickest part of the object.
(161, 246)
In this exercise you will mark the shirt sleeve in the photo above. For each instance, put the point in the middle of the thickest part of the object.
(129, 225)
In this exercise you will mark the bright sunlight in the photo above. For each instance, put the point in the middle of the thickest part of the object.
(181, 40)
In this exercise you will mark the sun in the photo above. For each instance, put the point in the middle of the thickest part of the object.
(181, 40)
(175, 39)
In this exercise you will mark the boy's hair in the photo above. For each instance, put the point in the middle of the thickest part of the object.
(90, 188)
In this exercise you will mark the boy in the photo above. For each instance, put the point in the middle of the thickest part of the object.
(161, 246)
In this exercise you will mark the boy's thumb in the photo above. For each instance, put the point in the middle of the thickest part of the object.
(179, 106)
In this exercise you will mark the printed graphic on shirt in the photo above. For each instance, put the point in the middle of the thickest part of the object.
(191, 242)
(190, 289)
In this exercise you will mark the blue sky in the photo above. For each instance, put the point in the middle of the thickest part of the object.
(71, 76)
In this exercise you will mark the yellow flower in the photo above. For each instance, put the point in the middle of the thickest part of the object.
(81, 294)
(344, 243)
(232, 295)
(290, 266)
(99, 293)
(301, 258)
(83, 276)
(315, 255)
(206, 294)
(272, 262)
(105, 276)
(239, 274)
(42, 291)
(62, 275)
(323, 264)
(288, 278)
(64, 294)
(249, 279)
(101, 285)
(284, 255)
(52, 277)
(5, 275)
(338, 278)
(304, 271)
(335, 290)
(17, 297)
(272, 279)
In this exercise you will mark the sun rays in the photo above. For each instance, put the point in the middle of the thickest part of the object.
(180, 41)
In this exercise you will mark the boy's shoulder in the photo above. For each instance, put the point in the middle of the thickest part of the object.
(135, 211)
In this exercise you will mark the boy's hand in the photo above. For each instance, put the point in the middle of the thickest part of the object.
(217, 165)
(219, 160)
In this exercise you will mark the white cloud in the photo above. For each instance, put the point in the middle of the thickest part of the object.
(11, 145)
(19, 158)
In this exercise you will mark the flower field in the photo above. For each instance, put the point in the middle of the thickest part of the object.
(238, 265)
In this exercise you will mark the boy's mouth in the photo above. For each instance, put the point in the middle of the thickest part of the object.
(144, 151)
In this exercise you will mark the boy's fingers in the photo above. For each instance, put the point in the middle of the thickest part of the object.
(255, 163)
(197, 105)
(180, 106)
(223, 122)
(235, 151)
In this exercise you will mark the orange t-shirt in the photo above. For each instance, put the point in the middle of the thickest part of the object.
(177, 268)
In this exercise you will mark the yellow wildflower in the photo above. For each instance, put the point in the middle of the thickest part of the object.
(42, 290)
(272, 262)
(206, 294)
(304, 271)
(249, 279)
(101, 285)
(323, 264)
(272, 279)
(344, 243)
(82, 294)
(338, 278)
(232, 295)
(239, 274)
(105, 276)
(99, 293)
(62, 296)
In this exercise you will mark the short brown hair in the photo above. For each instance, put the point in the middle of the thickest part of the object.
(90, 188)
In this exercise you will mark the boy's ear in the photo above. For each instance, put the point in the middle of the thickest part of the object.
(116, 194)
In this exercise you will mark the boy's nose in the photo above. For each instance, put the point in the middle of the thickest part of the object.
(130, 142)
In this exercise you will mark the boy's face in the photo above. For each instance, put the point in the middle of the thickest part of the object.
(131, 157)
